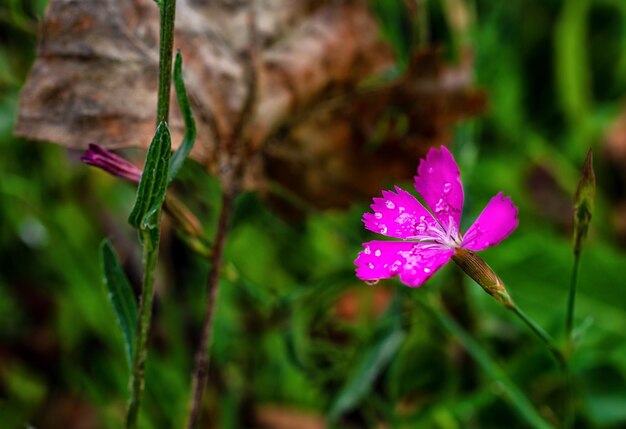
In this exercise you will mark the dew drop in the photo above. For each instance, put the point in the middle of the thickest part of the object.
(367, 250)
(371, 282)
(401, 209)
(378, 215)
(440, 206)
(383, 230)
(390, 205)
(371, 266)
(377, 252)
(427, 270)
(447, 187)
(403, 218)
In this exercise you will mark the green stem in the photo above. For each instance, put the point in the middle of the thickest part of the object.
(571, 302)
(150, 238)
(166, 47)
(514, 395)
(569, 415)
(540, 333)
(137, 380)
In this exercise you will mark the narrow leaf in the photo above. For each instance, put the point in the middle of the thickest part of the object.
(153, 184)
(366, 371)
(121, 296)
(189, 138)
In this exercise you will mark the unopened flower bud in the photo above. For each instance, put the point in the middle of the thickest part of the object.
(111, 163)
(482, 274)
(583, 203)
(183, 219)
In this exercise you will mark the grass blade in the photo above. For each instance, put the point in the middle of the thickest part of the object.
(367, 370)
(513, 394)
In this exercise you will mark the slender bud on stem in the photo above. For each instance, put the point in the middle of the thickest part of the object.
(583, 210)
(583, 203)
(111, 163)
(482, 274)
(184, 220)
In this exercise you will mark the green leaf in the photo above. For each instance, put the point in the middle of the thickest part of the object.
(189, 138)
(366, 371)
(121, 296)
(153, 184)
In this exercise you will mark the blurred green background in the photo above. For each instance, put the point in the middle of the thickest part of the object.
(298, 337)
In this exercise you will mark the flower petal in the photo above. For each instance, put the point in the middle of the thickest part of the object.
(438, 182)
(398, 214)
(495, 223)
(413, 262)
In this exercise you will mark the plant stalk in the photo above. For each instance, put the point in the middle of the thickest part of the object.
(571, 303)
(540, 333)
(137, 380)
(202, 359)
(510, 390)
(150, 238)
(166, 48)
(569, 412)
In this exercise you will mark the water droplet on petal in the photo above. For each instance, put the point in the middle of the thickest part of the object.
(367, 250)
(401, 209)
(404, 218)
(377, 252)
(383, 230)
(427, 270)
(378, 215)
(390, 205)
(371, 266)
(440, 206)
(447, 187)
(371, 282)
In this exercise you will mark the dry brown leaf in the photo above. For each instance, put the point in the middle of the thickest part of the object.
(95, 80)
(329, 159)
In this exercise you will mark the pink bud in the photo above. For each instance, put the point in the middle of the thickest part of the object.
(111, 163)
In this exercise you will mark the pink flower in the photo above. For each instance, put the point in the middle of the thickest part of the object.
(111, 163)
(429, 236)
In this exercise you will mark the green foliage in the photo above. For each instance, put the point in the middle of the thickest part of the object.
(368, 368)
(183, 151)
(282, 334)
(120, 295)
(153, 184)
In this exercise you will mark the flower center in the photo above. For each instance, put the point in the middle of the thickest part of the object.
(438, 236)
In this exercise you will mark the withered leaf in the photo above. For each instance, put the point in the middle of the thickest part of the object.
(95, 78)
